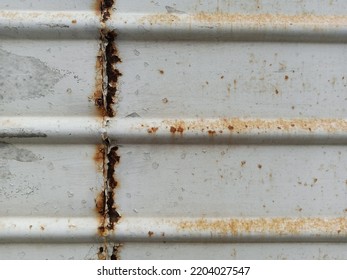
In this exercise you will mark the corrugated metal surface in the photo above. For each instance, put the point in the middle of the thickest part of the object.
(173, 129)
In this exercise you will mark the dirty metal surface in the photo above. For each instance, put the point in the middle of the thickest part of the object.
(173, 129)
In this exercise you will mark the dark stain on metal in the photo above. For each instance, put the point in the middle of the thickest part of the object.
(150, 233)
(211, 132)
(116, 251)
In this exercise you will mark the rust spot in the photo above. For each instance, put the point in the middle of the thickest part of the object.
(278, 226)
(152, 130)
(276, 91)
(211, 132)
(286, 77)
(315, 180)
(74, 21)
(260, 166)
(230, 127)
(163, 234)
(161, 72)
(243, 163)
(115, 251)
(221, 77)
(165, 100)
(42, 227)
(172, 129)
(31, 226)
(102, 253)
(180, 129)
(150, 233)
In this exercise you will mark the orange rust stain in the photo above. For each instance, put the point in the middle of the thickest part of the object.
(286, 77)
(152, 130)
(237, 125)
(180, 129)
(74, 21)
(97, 7)
(150, 233)
(99, 157)
(211, 132)
(278, 226)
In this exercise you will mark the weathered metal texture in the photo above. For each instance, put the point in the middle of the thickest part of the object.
(188, 129)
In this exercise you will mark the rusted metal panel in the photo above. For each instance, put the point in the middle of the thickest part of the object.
(163, 129)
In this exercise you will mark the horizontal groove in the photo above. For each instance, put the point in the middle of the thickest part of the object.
(225, 131)
(210, 230)
(171, 26)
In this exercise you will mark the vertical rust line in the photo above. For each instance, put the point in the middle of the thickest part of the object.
(105, 97)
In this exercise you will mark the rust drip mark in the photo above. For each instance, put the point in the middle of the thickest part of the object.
(115, 251)
(278, 226)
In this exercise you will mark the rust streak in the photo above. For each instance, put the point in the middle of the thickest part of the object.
(278, 226)
(245, 19)
(245, 125)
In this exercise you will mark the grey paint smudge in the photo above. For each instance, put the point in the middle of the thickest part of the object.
(21, 133)
(24, 77)
(172, 10)
(11, 152)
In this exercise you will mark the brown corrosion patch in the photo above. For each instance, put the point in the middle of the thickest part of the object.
(266, 226)
(150, 233)
(152, 130)
(103, 8)
(112, 73)
(211, 132)
(112, 213)
(115, 251)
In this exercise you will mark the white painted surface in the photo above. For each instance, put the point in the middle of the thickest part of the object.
(230, 121)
